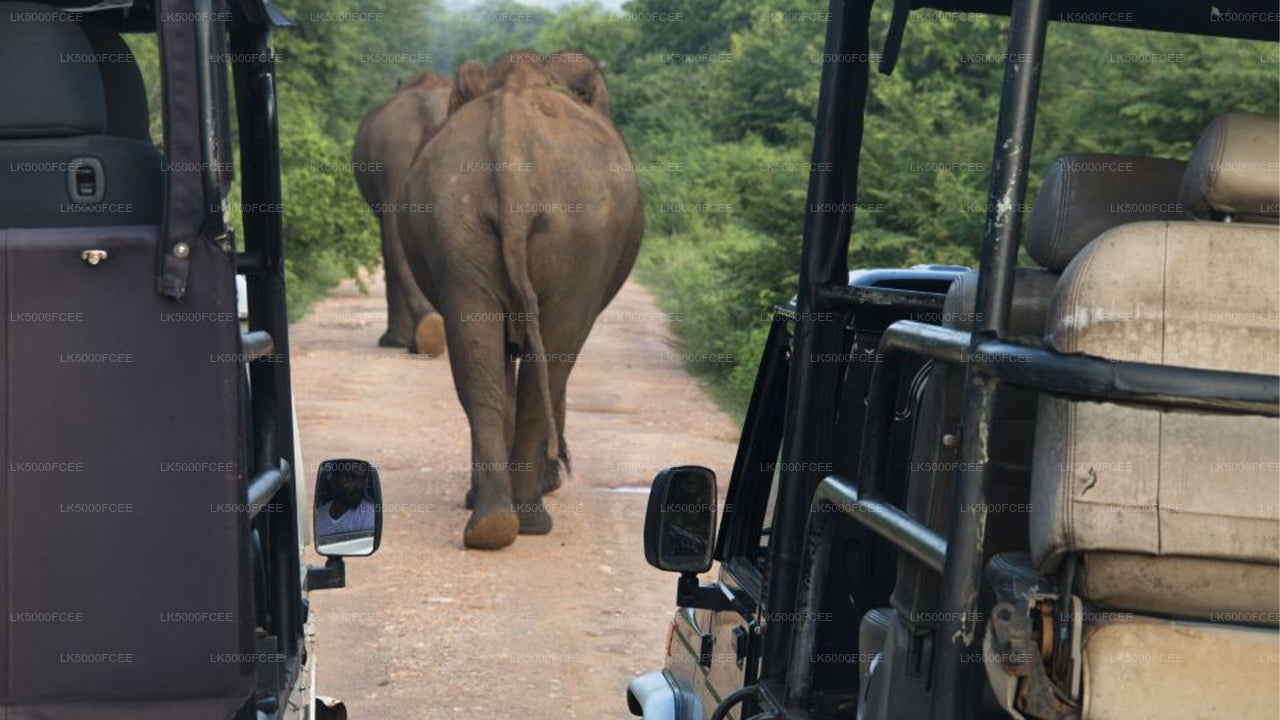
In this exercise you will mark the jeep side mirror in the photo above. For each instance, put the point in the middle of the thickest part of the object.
(348, 508)
(680, 521)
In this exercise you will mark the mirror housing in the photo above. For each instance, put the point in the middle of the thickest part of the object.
(680, 520)
(348, 508)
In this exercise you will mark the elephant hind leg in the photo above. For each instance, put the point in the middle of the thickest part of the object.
(400, 318)
(563, 342)
(509, 427)
(407, 306)
(479, 369)
(553, 475)
(529, 454)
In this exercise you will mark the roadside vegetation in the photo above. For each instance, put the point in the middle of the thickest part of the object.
(716, 99)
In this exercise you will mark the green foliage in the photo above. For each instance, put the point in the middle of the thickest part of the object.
(696, 277)
(741, 130)
(343, 58)
(683, 26)
(326, 223)
(716, 99)
(587, 28)
(770, 88)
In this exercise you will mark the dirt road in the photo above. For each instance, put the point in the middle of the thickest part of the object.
(550, 628)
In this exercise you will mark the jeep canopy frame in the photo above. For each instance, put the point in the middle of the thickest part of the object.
(808, 439)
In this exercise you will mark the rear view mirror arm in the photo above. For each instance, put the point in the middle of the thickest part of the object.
(691, 593)
(332, 575)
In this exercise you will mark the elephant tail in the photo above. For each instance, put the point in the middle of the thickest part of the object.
(515, 227)
(515, 231)
(564, 454)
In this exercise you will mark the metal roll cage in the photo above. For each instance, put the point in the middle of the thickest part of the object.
(809, 503)
(270, 488)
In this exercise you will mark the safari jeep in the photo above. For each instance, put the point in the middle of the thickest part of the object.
(153, 517)
(1045, 490)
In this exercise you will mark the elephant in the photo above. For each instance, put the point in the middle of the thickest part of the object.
(579, 74)
(537, 224)
(389, 137)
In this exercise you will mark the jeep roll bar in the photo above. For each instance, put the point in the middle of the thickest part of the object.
(802, 541)
(1075, 376)
(270, 491)
(262, 262)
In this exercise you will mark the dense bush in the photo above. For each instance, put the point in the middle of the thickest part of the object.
(736, 130)
(343, 58)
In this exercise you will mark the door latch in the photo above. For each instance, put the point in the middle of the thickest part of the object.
(741, 644)
(704, 652)
(706, 639)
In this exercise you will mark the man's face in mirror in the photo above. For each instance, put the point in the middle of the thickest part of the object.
(349, 487)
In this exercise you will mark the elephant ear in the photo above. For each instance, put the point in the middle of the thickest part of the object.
(472, 79)
(597, 93)
(586, 76)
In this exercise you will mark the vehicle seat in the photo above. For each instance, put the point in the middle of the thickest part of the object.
(74, 156)
(1163, 511)
(1081, 195)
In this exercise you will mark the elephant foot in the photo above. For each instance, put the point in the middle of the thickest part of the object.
(393, 339)
(534, 520)
(492, 530)
(470, 501)
(428, 337)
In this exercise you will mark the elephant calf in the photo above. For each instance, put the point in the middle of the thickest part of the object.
(536, 224)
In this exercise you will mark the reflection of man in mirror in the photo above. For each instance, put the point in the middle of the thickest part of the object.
(350, 507)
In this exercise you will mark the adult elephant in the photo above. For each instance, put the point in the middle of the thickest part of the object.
(572, 72)
(389, 137)
(537, 224)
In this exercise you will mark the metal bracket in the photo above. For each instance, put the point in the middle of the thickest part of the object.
(1012, 637)
(691, 593)
(332, 575)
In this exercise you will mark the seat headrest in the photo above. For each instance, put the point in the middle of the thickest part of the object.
(1235, 168)
(1086, 194)
(52, 86)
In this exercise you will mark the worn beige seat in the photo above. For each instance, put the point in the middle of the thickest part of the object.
(1081, 196)
(1166, 512)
